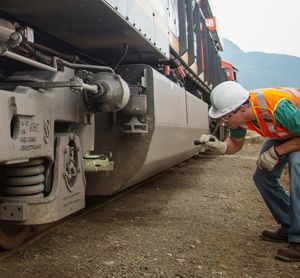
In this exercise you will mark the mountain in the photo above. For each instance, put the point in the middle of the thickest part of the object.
(262, 70)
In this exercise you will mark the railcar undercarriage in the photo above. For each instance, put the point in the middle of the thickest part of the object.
(78, 119)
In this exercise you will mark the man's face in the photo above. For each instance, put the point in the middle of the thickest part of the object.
(233, 119)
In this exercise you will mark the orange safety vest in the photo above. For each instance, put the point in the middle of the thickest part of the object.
(264, 103)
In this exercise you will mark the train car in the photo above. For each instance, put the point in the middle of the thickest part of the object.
(230, 71)
(96, 96)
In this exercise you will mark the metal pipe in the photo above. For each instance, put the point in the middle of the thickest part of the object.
(27, 61)
(82, 66)
(92, 88)
(76, 84)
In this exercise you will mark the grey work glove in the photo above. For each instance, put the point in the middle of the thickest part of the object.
(212, 143)
(268, 159)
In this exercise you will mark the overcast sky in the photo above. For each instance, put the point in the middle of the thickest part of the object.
(271, 26)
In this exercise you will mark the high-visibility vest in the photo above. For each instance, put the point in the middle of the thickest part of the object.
(264, 103)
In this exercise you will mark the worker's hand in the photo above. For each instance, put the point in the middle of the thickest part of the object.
(268, 159)
(210, 141)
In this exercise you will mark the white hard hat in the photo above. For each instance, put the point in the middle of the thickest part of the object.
(226, 97)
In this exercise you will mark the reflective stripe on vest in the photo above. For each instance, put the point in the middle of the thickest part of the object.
(293, 93)
(265, 115)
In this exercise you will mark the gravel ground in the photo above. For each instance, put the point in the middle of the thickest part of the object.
(201, 219)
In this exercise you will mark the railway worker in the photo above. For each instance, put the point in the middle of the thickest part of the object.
(273, 113)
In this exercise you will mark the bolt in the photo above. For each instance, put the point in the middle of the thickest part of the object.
(14, 36)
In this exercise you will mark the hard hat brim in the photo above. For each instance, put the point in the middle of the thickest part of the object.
(215, 113)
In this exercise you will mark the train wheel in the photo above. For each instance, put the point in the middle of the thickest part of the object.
(11, 236)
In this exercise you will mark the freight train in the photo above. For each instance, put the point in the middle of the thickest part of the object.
(96, 95)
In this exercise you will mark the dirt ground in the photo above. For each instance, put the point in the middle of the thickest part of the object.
(201, 219)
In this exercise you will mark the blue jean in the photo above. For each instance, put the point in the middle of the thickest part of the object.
(284, 207)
